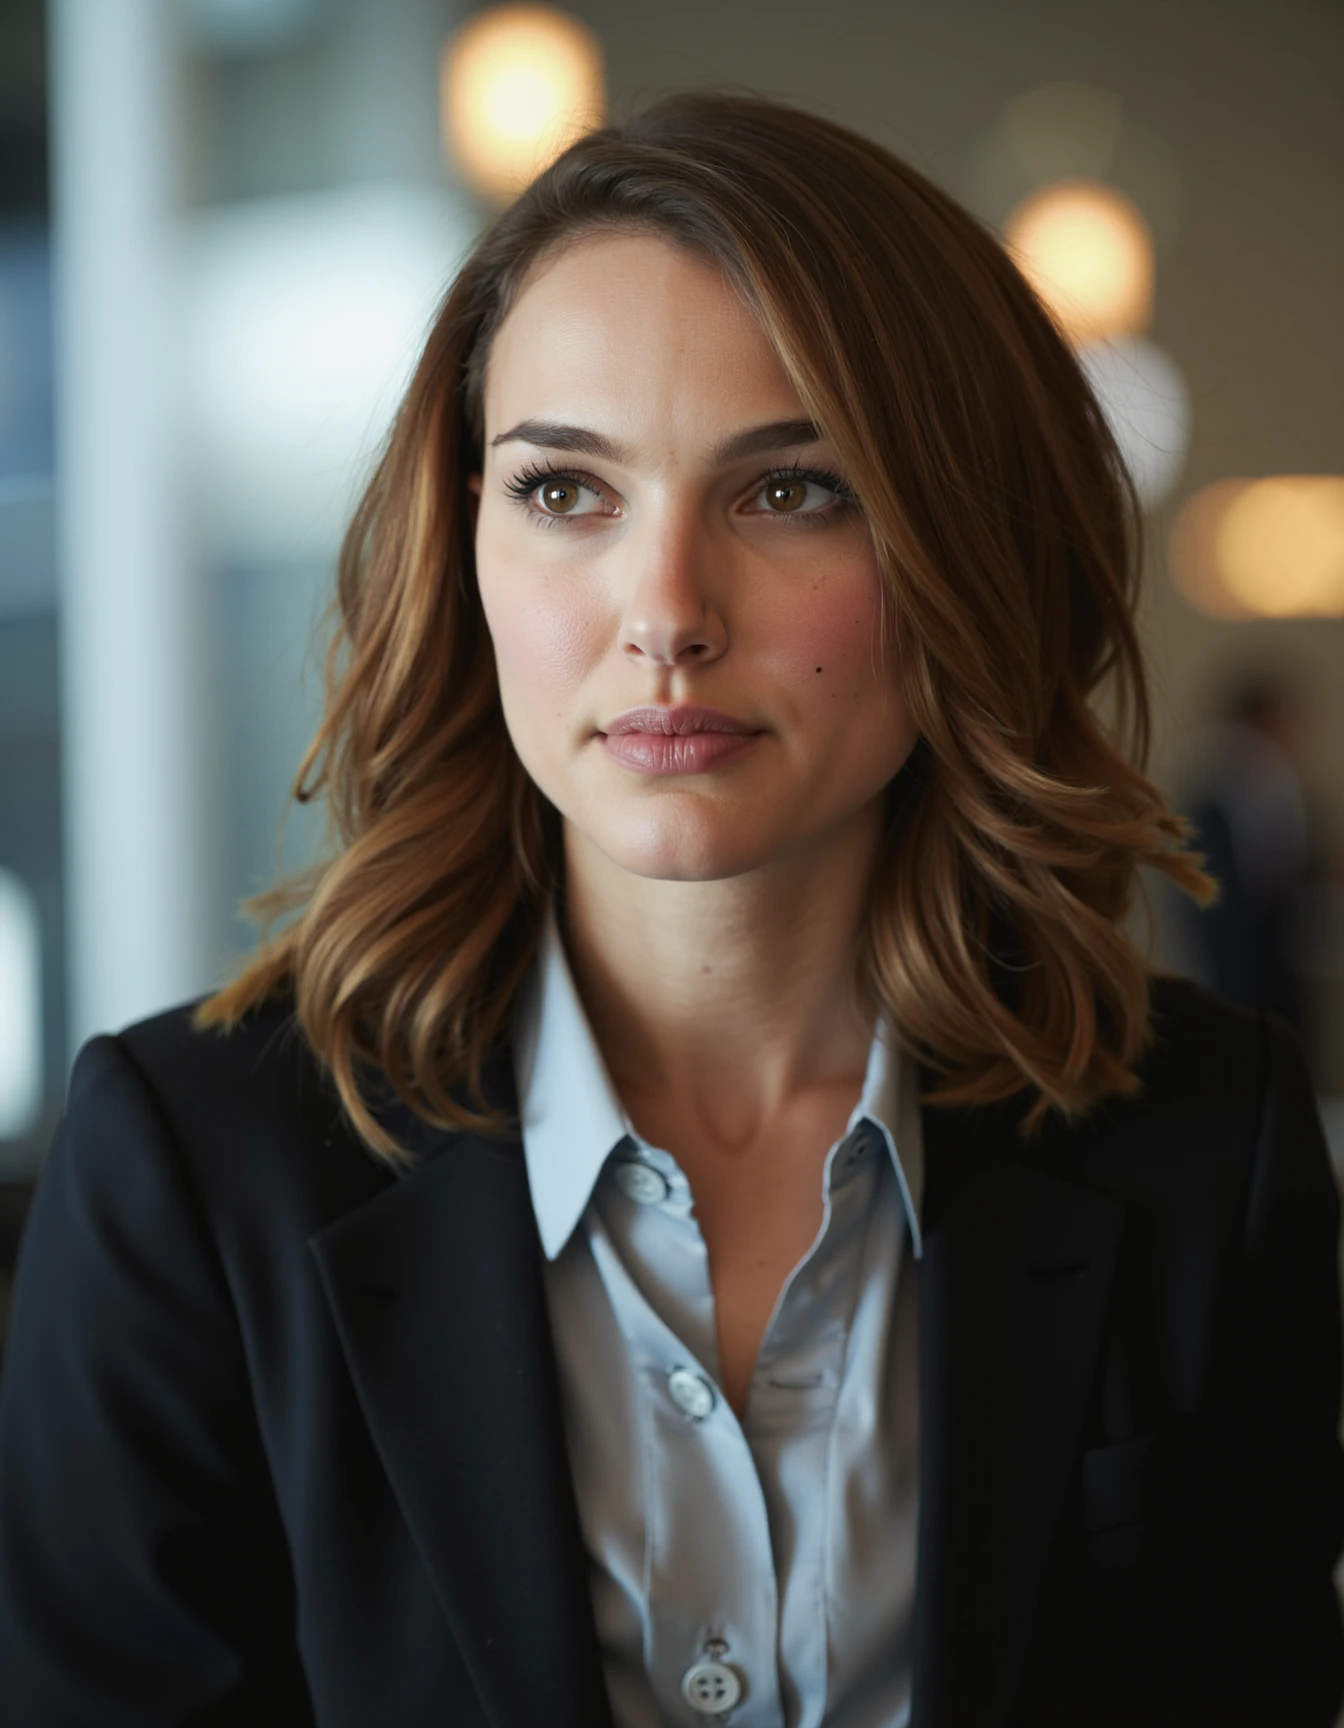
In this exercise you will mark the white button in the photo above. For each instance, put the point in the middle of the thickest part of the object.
(641, 1182)
(711, 1688)
(693, 1396)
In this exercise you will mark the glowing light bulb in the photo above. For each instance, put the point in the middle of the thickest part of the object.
(519, 84)
(1271, 548)
(1087, 252)
(1280, 545)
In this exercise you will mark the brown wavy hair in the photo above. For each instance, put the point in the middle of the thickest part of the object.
(1008, 534)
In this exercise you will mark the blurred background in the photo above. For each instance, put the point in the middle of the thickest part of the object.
(224, 227)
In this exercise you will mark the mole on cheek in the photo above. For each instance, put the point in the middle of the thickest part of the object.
(818, 668)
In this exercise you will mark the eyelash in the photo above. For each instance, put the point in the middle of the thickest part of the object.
(525, 483)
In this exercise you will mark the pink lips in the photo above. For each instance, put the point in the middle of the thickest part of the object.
(655, 753)
(675, 722)
(677, 740)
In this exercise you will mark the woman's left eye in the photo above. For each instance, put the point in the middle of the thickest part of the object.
(801, 494)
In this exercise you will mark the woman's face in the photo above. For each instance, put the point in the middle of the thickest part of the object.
(656, 528)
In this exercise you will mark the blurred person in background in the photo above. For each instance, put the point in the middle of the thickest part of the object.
(702, 1213)
(1274, 924)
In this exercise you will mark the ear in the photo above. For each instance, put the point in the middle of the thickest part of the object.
(473, 500)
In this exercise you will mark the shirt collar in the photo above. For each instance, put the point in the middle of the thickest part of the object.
(573, 1118)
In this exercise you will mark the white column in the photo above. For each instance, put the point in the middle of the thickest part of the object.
(133, 672)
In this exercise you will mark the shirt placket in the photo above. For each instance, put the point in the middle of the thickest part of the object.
(733, 1510)
(709, 1575)
(791, 1416)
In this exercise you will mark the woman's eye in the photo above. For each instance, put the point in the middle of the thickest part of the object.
(563, 497)
(798, 495)
(548, 496)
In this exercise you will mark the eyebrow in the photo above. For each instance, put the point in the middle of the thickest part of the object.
(582, 441)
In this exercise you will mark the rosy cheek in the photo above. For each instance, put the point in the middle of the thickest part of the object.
(540, 637)
(832, 640)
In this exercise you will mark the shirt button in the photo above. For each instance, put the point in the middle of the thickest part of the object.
(711, 1688)
(693, 1396)
(641, 1182)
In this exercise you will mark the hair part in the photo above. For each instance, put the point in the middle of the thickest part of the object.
(1008, 534)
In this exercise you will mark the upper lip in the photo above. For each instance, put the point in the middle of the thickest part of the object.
(676, 721)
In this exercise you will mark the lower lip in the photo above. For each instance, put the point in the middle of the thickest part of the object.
(691, 753)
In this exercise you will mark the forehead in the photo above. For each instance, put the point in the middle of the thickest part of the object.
(618, 324)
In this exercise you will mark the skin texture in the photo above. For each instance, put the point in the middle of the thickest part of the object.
(712, 917)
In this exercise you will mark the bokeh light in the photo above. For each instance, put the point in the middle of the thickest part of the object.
(1271, 548)
(303, 317)
(519, 83)
(1073, 131)
(1147, 407)
(1087, 252)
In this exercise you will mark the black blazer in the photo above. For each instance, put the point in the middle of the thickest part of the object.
(280, 1437)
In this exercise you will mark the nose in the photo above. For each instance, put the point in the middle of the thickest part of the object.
(672, 613)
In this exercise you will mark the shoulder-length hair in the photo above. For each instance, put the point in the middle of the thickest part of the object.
(1008, 535)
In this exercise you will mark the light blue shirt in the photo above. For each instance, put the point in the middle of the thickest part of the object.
(780, 1548)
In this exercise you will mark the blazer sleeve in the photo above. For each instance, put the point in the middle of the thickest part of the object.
(1294, 1483)
(143, 1570)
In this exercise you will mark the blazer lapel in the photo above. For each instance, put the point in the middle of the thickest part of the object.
(436, 1290)
(1013, 1293)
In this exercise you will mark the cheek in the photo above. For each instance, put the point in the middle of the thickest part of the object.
(832, 635)
(541, 639)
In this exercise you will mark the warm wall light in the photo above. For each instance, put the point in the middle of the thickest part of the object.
(1270, 548)
(518, 84)
(1087, 252)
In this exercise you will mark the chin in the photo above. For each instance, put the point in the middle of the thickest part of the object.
(679, 850)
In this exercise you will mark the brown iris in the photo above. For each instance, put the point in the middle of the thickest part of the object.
(559, 496)
(785, 496)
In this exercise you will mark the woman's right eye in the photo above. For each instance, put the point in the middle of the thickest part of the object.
(559, 497)
(552, 496)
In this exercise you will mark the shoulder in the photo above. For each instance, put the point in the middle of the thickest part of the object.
(1225, 1093)
(1205, 1053)
(262, 1066)
(1215, 1057)
(243, 1117)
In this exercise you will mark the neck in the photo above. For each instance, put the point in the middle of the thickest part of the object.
(736, 997)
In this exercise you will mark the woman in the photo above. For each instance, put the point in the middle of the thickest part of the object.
(704, 1214)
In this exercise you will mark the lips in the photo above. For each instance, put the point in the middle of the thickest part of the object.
(676, 722)
(662, 753)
